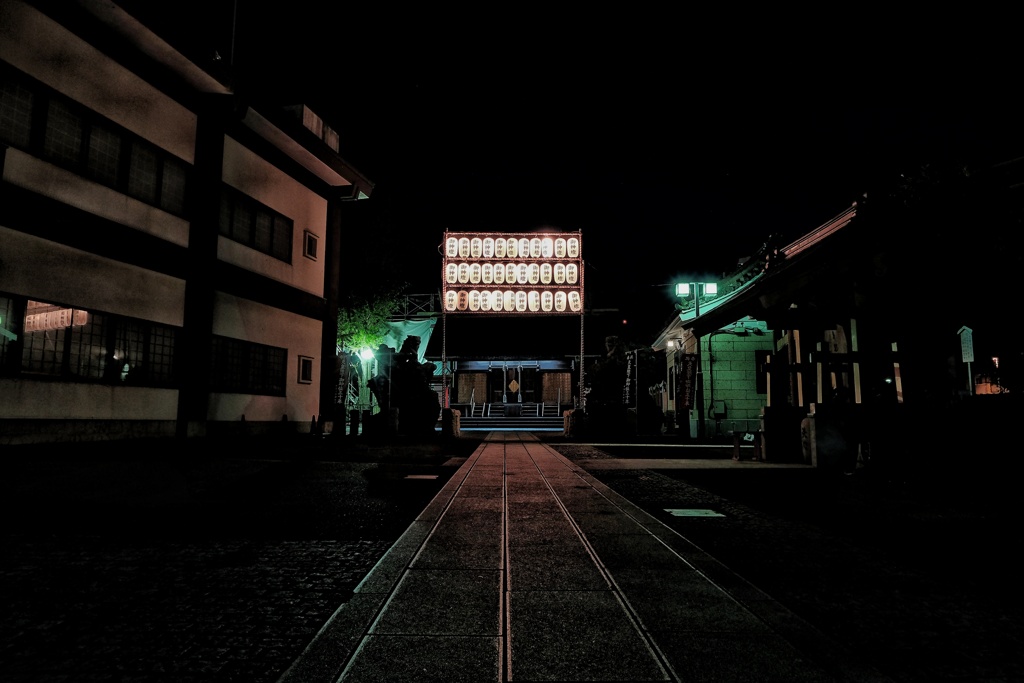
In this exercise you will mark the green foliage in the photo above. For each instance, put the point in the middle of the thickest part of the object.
(362, 319)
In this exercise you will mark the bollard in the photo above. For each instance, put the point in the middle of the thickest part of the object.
(451, 423)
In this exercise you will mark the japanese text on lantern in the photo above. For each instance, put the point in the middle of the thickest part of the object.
(512, 273)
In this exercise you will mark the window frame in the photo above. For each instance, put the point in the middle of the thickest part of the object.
(310, 245)
(85, 352)
(305, 370)
(238, 366)
(241, 218)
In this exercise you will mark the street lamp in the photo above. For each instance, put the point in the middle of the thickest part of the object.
(699, 291)
(688, 289)
(365, 395)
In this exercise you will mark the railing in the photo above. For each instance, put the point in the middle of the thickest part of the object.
(418, 305)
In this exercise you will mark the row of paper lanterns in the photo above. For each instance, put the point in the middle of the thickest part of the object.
(523, 273)
(512, 247)
(513, 301)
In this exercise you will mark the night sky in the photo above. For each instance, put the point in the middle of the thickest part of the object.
(677, 143)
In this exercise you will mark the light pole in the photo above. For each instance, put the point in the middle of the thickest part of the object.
(698, 290)
(365, 395)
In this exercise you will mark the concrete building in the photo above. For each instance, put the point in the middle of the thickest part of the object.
(168, 251)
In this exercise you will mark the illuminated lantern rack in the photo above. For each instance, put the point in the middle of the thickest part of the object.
(513, 273)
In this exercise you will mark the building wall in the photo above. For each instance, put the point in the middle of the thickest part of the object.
(472, 386)
(42, 269)
(44, 178)
(50, 271)
(246, 171)
(241, 318)
(54, 55)
(730, 376)
(145, 279)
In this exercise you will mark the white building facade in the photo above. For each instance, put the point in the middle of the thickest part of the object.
(166, 250)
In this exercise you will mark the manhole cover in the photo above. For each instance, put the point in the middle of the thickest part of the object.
(693, 512)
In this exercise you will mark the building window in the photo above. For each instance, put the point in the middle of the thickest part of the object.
(104, 161)
(173, 181)
(309, 245)
(263, 232)
(62, 142)
(305, 370)
(10, 331)
(40, 121)
(16, 106)
(142, 174)
(73, 344)
(242, 367)
(45, 332)
(245, 220)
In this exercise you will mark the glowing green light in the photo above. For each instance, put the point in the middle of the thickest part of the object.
(710, 288)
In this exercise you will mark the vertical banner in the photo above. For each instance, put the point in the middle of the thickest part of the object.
(686, 380)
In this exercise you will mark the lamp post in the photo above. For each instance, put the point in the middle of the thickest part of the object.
(698, 290)
(365, 395)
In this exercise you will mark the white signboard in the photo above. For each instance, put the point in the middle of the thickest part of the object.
(967, 344)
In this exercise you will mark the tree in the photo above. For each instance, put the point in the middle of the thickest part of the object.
(363, 317)
(362, 324)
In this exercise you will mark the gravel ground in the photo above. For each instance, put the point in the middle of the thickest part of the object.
(132, 563)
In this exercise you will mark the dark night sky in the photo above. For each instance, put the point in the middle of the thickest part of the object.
(677, 143)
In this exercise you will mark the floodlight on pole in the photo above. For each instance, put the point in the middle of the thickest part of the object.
(699, 291)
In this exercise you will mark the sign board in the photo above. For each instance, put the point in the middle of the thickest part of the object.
(535, 274)
(966, 344)
(686, 380)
